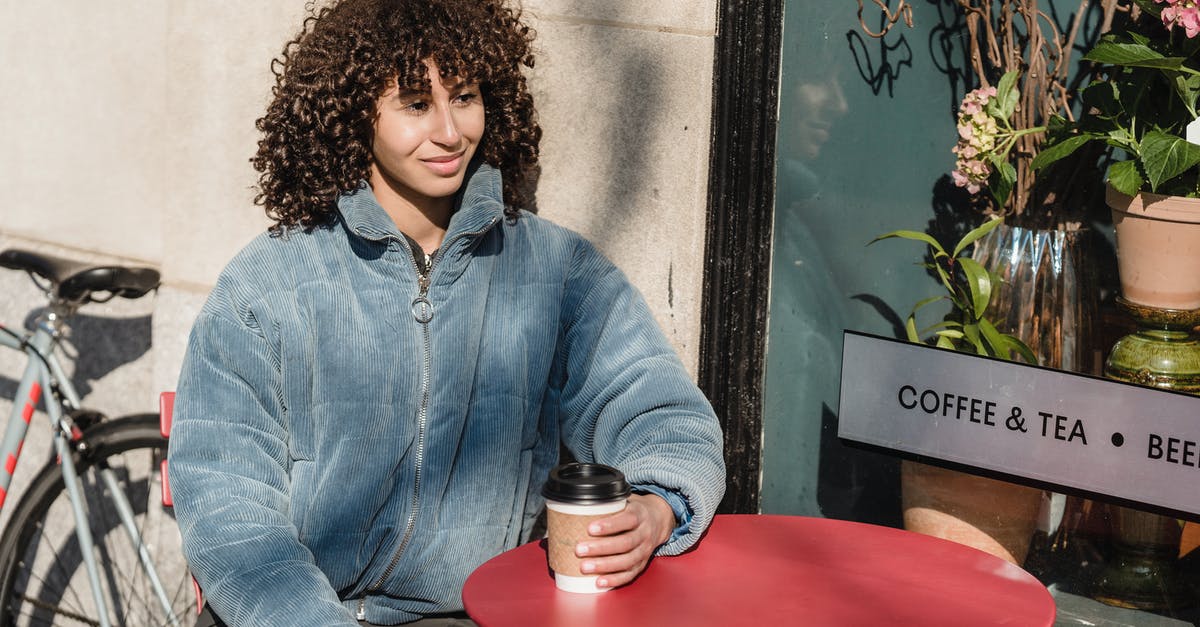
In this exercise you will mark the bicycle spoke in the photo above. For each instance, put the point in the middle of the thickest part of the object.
(50, 584)
(128, 581)
(59, 611)
(58, 567)
(118, 575)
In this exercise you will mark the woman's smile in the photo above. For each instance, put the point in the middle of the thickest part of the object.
(445, 165)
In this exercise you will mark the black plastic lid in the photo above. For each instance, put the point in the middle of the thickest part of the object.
(583, 484)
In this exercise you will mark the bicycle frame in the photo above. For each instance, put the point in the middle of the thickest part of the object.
(44, 379)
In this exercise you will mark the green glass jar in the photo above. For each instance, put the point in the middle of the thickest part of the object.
(1143, 572)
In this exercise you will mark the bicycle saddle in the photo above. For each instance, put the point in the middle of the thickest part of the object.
(76, 280)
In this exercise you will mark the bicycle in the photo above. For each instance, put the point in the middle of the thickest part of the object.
(90, 541)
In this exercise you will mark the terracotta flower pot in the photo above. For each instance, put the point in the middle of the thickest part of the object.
(1158, 248)
(990, 515)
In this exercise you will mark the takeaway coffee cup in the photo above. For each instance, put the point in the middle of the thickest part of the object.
(576, 494)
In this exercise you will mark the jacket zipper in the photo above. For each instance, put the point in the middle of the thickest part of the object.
(422, 311)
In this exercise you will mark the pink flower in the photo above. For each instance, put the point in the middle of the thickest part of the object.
(978, 132)
(962, 180)
(1182, 13)
(1190, 19)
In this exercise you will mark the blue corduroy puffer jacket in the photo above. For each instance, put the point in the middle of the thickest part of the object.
(349, 440)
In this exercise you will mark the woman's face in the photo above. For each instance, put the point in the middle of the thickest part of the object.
(425, 139)
(820, 102)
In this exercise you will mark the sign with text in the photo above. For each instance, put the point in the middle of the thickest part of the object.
(1060, 428)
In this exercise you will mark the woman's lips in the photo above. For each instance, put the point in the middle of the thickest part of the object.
(446, 165)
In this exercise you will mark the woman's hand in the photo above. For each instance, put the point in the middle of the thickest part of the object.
(622, 544)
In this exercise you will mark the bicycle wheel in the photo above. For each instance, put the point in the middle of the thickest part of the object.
(43, 578)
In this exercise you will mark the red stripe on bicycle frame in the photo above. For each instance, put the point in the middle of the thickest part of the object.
(10, 464)
(35, 393)
(2, 495)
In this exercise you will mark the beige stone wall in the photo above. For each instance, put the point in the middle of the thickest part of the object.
(126, 129)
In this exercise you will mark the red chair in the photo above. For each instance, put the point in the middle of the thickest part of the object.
(166, 405)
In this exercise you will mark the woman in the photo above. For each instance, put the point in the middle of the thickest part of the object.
(376, 388)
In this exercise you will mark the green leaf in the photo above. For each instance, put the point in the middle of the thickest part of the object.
(1014, 348)
(979, 282)
(944, 342)
(913, 235)
(1166, 156)
(953, 334)
(1123, 139)
(910, 329)
(949, 285)
(975, 234)
(1005, 345)
(1104, 96)
(993, 338)
(972, 333)
(1132, 55)
(1125, 177)
(1057, 124)
(926, 301)
(1138, 38)
(1188, 89)
(1023, 349)
(1150, 7)
(944, 325)
(1054, 152)
(1007, 93)
(1000, 183)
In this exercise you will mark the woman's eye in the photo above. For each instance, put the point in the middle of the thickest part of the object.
(467, 97)
(417, 107)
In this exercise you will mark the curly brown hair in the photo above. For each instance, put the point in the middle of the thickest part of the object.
(318, 130)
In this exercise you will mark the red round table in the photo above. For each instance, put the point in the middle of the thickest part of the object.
(776, 570)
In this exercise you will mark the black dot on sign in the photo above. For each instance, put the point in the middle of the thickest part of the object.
(1118, 439)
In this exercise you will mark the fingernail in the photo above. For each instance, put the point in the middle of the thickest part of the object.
(601, 583)
(581, 549)
(587, 567)
(594, 529)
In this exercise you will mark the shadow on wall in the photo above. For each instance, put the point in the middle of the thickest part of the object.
(104, 343)
(638, 117)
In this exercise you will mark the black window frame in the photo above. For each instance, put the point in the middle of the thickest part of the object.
(741, 202)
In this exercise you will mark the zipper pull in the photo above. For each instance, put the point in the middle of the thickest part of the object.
(422, 309)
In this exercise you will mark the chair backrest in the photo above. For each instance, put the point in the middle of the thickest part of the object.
(166, 405)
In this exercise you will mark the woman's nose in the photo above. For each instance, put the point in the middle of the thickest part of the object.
(445, 129)
(838, 102)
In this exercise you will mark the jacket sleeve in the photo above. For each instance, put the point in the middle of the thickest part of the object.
(228, 460)
(628, 402)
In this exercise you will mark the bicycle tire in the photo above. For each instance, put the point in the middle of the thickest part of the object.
(43, 578)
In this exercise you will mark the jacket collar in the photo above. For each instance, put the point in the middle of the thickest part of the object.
(477, 206)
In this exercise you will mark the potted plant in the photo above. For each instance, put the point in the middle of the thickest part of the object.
(1034, 250)
(1017, 56)
(1142, 110)
(993, 516)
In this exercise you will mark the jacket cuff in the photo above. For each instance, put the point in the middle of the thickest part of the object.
(679, 505)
